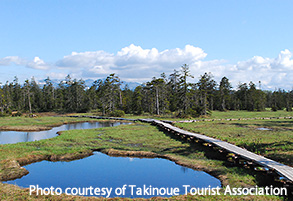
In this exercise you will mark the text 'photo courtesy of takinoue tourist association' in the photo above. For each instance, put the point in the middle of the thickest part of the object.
(154, 191)
(154, 100)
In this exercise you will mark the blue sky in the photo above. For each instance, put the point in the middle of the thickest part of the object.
(138, 39)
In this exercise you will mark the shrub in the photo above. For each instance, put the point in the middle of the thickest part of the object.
(138, 112)
(181, 114)
(117, 113)
(193, 113)
(274, 108)
(2, 114)
(16, 114)
(167, 112)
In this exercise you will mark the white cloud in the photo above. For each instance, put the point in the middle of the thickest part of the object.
(7, 61)
(37, 63)
(272, 72)
(133, 63)
(85, 59)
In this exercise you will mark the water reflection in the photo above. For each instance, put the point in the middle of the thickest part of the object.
(101, 171)
(184, 169)
(10, 137)
(264, 129)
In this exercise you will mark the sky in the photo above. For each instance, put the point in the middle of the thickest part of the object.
(244, 40)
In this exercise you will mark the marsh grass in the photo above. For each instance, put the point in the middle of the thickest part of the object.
(276, 143)
(221, 115)
(249, 114)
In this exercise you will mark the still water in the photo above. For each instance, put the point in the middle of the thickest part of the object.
(264, 129)
(10, 137)
(103, 171)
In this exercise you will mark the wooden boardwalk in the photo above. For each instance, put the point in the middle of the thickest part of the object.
(282, 170)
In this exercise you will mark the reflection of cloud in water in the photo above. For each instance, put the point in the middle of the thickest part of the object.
(131, 159)
(114, 172)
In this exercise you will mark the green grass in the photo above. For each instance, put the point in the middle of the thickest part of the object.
(275, 144)
(247, 114)
(221, 115)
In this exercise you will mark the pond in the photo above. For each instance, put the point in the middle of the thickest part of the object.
(10, 137)
(101, 171)
(264, 129)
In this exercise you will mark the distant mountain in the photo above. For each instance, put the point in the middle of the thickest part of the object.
(131, 85)
(89, 83)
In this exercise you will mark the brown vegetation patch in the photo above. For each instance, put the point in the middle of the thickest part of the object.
(31, 159)
(145, 154)
(70, 156)
(10, 169)
(25, 128)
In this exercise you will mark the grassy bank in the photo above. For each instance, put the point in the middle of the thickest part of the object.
(275, 143)
(136, 140)
(37, 123)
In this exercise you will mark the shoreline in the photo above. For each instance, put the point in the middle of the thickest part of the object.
(49, 127)
(17, 170)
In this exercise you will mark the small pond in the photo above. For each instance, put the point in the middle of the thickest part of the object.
(10, 137)
(103, 171)
(264, 129)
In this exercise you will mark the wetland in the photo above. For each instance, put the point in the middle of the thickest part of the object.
(149, 142)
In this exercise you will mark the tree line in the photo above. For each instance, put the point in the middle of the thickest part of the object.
(173, 94)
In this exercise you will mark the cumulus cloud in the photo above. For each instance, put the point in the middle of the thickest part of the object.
(36, 63)
(133, 63)
(272, 72)
(86, 59)
(7, 61)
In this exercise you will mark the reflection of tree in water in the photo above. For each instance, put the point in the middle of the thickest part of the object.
(27, 137)
(184, 169)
